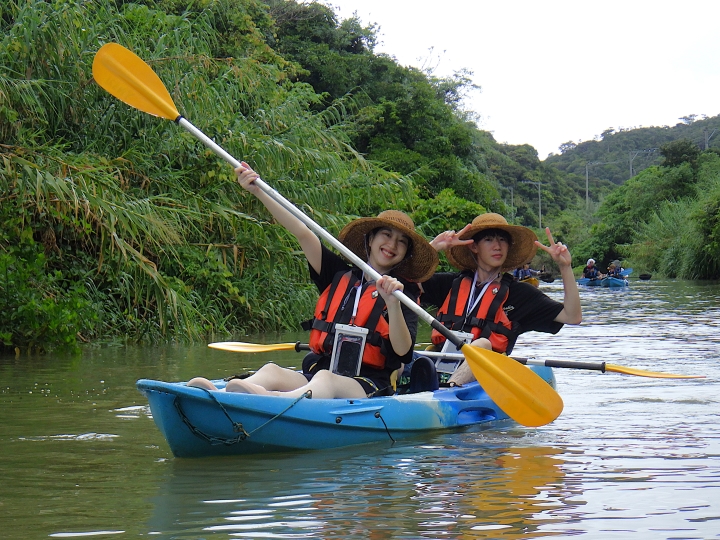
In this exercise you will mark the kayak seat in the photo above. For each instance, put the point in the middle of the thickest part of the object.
(423, 376)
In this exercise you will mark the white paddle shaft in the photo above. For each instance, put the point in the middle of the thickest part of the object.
(295, 211)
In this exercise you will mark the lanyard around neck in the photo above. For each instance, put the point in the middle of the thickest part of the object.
(358, 294)
(472, 300)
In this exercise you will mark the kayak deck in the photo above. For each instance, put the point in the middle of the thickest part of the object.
(196, 422)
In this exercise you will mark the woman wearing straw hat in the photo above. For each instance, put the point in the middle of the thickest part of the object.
(361, 332)
(489, 307)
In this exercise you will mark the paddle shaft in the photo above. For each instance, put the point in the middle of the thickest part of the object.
(596, 366)
(317, 229)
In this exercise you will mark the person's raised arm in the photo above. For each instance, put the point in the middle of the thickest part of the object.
(572, 311)
(309, 242)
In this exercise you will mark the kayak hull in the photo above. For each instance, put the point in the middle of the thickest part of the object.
(198, 423)
(615, 282)
(611, 282)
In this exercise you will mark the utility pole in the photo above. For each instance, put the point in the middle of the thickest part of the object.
(708, 137)
(512, 205)
(587, 178)
(587, 181)
(631, 157)
(512, 202)
(538, 184)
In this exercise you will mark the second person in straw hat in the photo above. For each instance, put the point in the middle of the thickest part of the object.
(482, 301)
(361, 332)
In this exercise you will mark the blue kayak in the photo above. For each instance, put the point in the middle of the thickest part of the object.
(199, 423)
(590, 282)
(613, 282)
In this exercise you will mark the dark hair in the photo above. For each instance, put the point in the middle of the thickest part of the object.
(492, 233)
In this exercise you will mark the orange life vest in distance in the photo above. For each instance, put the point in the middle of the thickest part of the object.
(487, 319)
(335, 306)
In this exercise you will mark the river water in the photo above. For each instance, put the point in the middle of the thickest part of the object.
(629, 457)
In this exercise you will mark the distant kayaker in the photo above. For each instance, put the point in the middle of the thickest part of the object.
(487, 305)
(615, 270)
(524, 272)
(371, 333)
(590, 271)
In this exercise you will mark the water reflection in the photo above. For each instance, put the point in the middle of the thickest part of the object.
(458, 486)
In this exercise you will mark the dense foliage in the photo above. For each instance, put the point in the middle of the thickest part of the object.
(113, 210)
(118, 225)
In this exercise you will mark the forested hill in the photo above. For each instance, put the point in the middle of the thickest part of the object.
(617, 155)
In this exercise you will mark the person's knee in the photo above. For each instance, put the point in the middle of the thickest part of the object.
(482, 342)
(324, 376)
(234, 385)
(271, 369)
(201, 382)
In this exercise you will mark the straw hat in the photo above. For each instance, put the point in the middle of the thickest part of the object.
(420, 261)
(521, 249)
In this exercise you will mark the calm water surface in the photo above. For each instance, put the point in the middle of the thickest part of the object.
(629, 457)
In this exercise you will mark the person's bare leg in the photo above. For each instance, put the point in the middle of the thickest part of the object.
(327, 385)
(324, 385)
(463, 374)
(201, 382)
(242, 386)
(273, 377)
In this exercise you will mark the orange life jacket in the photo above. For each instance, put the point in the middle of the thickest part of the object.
(487, 319)
(335, 306)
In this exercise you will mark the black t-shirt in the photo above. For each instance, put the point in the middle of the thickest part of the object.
(331, 264)
(526, 305)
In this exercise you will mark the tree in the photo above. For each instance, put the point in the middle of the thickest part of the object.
(678, 152)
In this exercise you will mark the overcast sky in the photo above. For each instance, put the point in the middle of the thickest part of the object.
(558, 71)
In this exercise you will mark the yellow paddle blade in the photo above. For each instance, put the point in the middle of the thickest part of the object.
(521, 393)
(643, 373)
(127, 77)
(239, 346)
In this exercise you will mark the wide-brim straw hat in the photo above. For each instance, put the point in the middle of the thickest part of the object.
(521, 250)
(420, 261)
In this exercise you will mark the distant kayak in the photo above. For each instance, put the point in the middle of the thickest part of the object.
(535, 282)
(612, 282)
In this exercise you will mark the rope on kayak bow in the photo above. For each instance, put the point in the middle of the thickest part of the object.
(387, 430)
(307, 395)
(237, 426)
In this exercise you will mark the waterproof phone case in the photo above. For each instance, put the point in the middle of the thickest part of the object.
(348, 350)
(449, 365)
